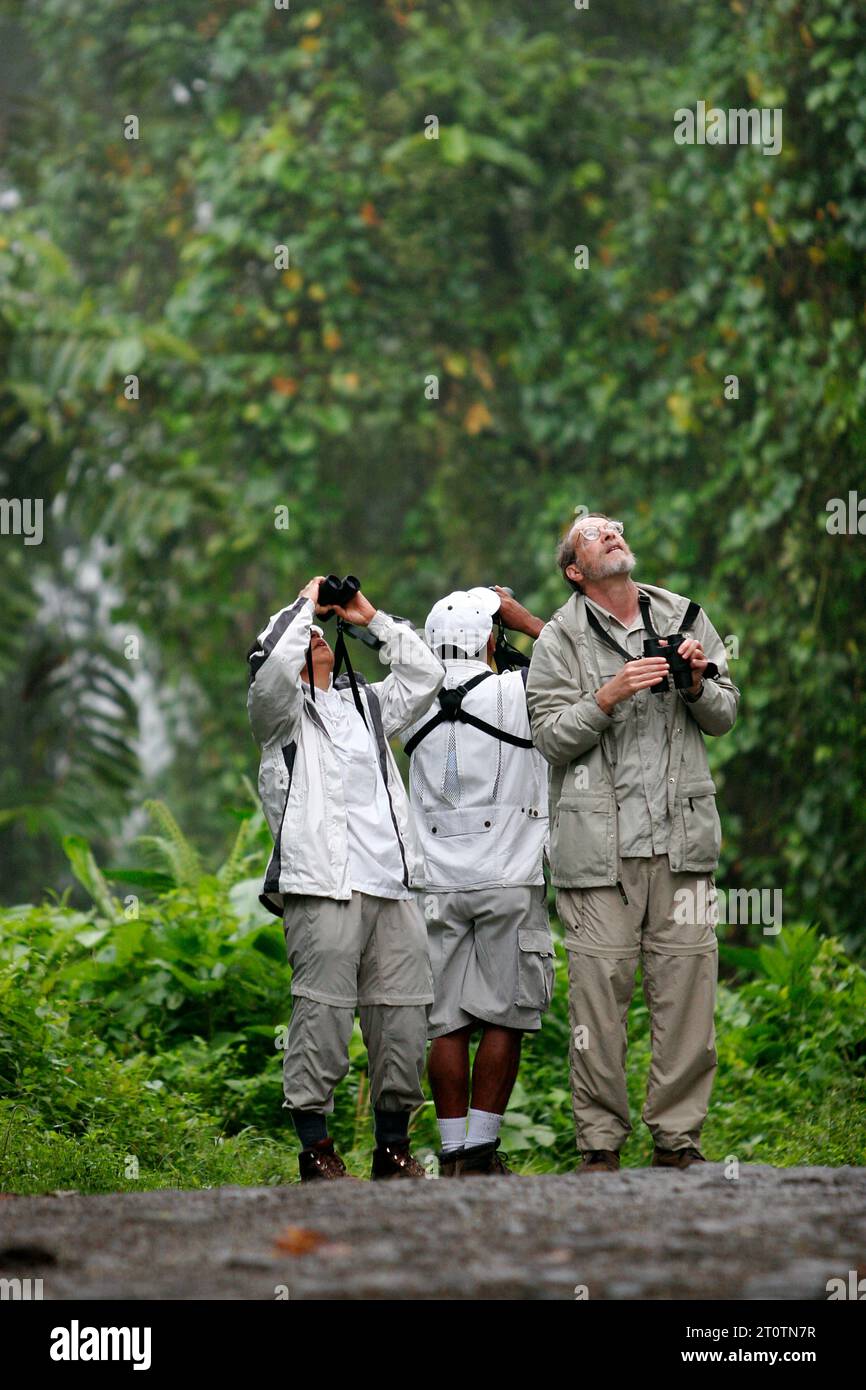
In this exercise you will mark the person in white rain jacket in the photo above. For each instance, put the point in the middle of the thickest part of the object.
(479, 792)
(346, 860)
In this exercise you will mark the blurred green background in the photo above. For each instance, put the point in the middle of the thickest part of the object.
(428, 388)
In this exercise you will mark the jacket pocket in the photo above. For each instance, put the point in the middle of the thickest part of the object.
(535, 972)
(583, 838)
(460, 822)
(700, 824)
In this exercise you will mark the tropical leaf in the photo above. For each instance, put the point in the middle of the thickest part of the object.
(84, 866)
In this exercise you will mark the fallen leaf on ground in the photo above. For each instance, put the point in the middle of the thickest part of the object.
(298, 1240)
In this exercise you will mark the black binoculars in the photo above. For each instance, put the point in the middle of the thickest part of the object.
(332, 589)
(681, 669)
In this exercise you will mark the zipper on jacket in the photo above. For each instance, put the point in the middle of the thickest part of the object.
(379, 738)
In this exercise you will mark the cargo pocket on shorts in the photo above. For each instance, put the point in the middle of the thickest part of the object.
(534, 969)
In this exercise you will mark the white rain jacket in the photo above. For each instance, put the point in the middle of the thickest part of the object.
(300, 780)
(489, 828)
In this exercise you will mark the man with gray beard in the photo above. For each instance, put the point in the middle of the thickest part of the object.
(634, 837)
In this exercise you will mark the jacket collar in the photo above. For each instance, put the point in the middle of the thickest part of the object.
(668, 610)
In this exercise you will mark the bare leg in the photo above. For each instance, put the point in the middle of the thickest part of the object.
(448, 1070)
(495, 1069)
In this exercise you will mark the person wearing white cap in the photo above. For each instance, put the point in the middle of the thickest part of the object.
(479, 792)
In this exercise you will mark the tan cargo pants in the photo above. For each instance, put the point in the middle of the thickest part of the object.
(668, 924)
(366, 953)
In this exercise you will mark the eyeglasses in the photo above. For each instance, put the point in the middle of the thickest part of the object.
(592, 533)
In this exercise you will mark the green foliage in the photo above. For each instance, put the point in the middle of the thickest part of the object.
(157, 1035)
(173, 847)
(409, 258)
(412, 258)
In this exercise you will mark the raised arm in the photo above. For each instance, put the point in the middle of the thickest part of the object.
(416, 674)
(415, 677)
(274, 698)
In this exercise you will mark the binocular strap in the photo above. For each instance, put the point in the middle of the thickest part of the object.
(688, 619)
(341, 657)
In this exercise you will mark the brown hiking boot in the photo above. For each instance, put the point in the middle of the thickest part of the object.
(395, 1161)
(599, 1161)
(481, 1160)
(448, 1162)
(676, 1158)
(322, 1161)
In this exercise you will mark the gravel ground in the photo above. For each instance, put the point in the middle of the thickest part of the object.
(774, 1233)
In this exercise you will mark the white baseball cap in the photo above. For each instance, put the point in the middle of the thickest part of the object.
(463, 620)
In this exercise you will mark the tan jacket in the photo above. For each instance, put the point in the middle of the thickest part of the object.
(576, 738)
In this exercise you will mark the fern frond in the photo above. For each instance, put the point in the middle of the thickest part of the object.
(235, 867)
(181, 856)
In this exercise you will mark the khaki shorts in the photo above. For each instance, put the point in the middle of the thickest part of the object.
(362, 951)
(492, 956)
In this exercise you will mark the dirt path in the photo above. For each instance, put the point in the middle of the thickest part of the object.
(772, 1234)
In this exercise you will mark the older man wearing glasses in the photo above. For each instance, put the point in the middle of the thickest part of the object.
(634, 836)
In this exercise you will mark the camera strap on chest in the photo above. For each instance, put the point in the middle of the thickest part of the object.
(451, 702)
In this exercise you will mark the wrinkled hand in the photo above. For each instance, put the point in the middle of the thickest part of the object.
(693, 652)
(634, 676)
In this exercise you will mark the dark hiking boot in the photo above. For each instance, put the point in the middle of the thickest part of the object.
(322, 1161)
(448, 1162)
(676, 1158)
(482, 1160)
(599, 1161)
(395, 1161)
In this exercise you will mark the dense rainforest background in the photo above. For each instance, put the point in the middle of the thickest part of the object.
(393, 288)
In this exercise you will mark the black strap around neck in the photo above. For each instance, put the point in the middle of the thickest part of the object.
(643, 599)
(646, 615)
(341, 658)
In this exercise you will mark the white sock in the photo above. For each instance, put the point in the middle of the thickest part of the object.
(483, 1127)
(452, 1133)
